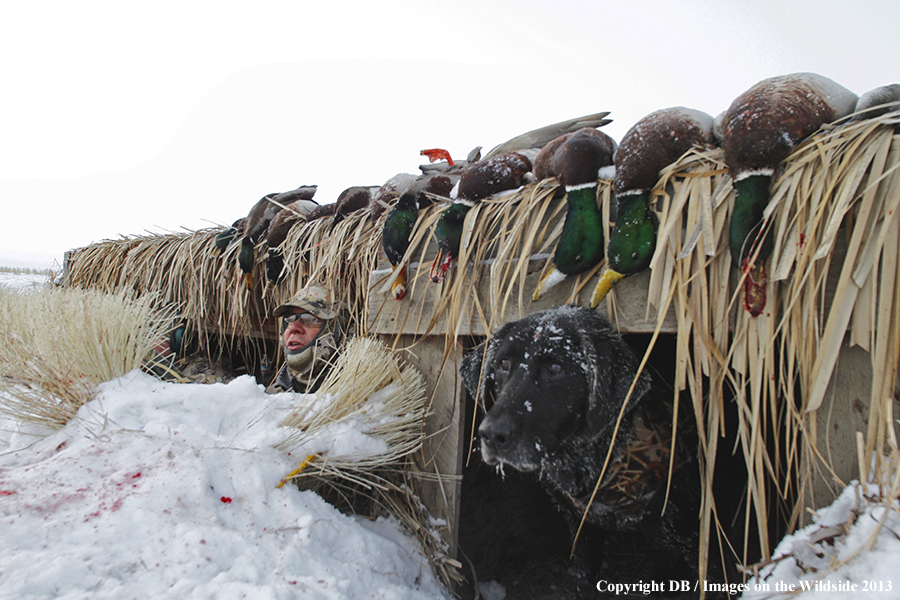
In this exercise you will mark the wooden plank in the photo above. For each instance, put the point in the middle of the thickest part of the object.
(261, 329)
(413, 314)
(440, 460)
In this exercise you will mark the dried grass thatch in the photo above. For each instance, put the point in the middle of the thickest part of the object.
(61, 344)
(185, 270)
(778, 365)
(179, 269)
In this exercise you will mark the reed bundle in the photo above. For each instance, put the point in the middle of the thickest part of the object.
(178, 269)
(372, 392)
(184, 270)
(60, 344)
(369, 391)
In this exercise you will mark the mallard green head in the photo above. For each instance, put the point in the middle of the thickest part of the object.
(177, 338)
(395, 234)
(246, 260)
(632, 242)
(224, 239)
(448, 233)
(398, 226)
(580, 244)
(633, 238)
(275, 266)
(750, 201)
(575, 160)
(274, 270)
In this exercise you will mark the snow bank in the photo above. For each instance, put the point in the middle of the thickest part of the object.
(161, 490)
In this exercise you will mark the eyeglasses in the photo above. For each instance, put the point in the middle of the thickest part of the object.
(306, 319)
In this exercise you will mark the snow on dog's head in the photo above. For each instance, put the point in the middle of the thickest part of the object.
(559, 376)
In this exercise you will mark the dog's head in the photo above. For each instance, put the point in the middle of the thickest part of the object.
(556, 378)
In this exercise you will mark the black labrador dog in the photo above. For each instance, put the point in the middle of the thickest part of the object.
(555, 383)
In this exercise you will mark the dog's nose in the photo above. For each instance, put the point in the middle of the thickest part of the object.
(497, 433)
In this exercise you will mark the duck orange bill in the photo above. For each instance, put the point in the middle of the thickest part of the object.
(440, 266)
(398, 288)
(755, 283)
(248, 280)
(552, 277)
(606, 283)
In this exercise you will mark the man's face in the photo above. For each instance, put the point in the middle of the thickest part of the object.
(300, 329)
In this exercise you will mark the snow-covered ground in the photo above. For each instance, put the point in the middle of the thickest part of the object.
(161, 490)
(851, 550)
(22, 280)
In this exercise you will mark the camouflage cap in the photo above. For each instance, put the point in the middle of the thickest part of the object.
(312, 299)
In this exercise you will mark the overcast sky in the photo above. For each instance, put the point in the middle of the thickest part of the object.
(121, 118)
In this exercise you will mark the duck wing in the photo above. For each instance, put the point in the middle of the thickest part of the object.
(538, 138)
(281, 225)
(259, 217)
(877, 102)
(437, 184)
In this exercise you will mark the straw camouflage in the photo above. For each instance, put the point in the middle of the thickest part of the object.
(313, 299)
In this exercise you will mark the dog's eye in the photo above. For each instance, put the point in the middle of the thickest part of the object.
(504, 365)
(556, 368)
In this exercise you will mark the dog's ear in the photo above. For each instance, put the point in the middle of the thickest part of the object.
(623, 385)
(615, 368)
(470, 368)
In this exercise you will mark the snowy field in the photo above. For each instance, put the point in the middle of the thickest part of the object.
(22, 280)
(161, 490)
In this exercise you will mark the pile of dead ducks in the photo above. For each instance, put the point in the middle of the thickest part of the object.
(760, 128)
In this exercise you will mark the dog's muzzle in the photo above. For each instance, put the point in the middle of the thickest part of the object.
(500, 443)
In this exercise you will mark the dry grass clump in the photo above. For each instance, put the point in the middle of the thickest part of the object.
(371, 392)
(60, 344)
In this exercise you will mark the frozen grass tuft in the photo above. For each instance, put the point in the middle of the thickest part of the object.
(61, 343)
